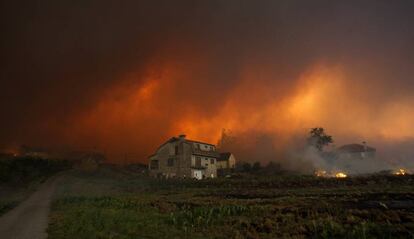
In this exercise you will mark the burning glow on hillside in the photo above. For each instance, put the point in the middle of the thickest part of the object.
(321, 173)
(401, 172)
(341, 175)
(325, 174)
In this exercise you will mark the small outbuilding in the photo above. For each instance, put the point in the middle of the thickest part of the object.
(356, 151)
(226, 164)
(226, 161)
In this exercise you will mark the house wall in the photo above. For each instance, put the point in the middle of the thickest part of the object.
(209, 163)
(183, 161)
(357, 155)
(211, 167)
(162, 156)
(227, 164)
(354, 163)
(151, 159)
(198, 174)
(232, 161)
(185, 152)
(222, 164)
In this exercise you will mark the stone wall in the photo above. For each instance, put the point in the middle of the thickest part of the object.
(182, 162)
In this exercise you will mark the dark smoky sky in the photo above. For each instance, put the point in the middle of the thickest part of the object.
(58, 58)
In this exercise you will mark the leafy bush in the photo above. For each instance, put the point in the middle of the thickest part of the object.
(26, 169)
(7, 205)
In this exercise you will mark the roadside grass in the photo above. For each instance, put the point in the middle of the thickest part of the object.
(12, 195)
(7, 205)
(109, 204)
(21, 176)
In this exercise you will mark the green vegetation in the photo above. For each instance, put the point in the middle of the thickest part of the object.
(20, 176)
(115, 204)
(6, 205)
(319, 139)
(28, 169)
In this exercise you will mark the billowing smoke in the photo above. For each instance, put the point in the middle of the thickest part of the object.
(124, 77)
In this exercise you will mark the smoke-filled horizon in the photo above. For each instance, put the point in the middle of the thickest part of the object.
(124, 77)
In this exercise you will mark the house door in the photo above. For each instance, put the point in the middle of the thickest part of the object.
(198, 174)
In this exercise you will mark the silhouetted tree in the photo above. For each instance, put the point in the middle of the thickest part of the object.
(246, 167)
(318, 138)
(256, 166)
(272, 167)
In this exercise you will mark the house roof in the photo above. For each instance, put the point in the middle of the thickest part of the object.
(213, 154)
(355, 148)
(224, 156)
(198, 142)
(174, 139)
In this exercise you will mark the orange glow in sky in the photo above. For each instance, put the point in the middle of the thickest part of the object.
(139, 117)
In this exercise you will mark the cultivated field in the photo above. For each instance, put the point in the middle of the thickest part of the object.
(113, 203)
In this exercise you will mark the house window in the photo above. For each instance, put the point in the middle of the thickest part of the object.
(212, 161)
(170, 162)
(198, 162)
(154, 164)
(176, 150)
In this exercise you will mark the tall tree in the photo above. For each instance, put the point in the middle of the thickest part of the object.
(319, 139)
(256, 166)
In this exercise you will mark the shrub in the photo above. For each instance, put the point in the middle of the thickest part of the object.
(26, 169)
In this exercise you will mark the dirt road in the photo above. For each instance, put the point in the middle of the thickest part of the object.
(30, 218)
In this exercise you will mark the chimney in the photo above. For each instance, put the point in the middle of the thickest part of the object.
(181, 136)
(365, 146)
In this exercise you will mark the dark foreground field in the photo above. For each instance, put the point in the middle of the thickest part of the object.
(116, 204)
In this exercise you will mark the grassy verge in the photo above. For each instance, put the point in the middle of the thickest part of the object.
(20, 176)
(7, 205)
(116, 205)
(11, 194)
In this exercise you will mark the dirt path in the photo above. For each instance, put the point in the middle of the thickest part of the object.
(30, 219)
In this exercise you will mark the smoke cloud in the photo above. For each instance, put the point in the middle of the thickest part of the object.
(124, 77)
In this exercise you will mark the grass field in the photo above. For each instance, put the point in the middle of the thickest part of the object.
(116, 204)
